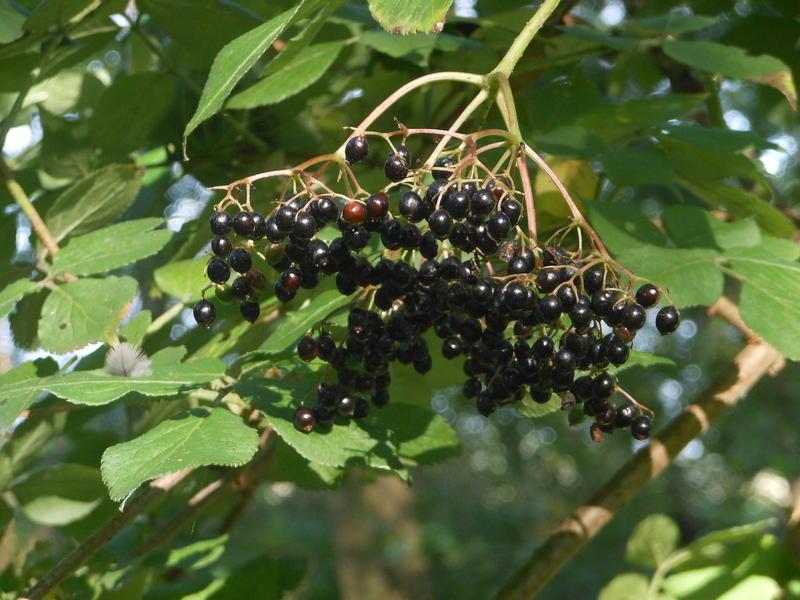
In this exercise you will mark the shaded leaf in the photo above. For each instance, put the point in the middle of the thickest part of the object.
(623, 227)
(628, 586)
(199, 437)
(644, 360)
(112, 247)
(534, 410)
(95, 200)
(60, 494)
(184, 279)
(410, 16)
(653, 539)
(722, 140)
(691, 227)
(21, 386)
(637, 166)
(58, 13)
(13, 293)
(670, 23)
(81, 312)
(10, 22)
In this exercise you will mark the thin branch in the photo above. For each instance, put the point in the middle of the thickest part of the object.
(70, 563)
(21, 198)
(755, 361)
(521, 42)
(530, 207)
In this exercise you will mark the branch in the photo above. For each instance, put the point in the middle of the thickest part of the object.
(70, 563)
(756, 360)
(518, 47)
(21, 198)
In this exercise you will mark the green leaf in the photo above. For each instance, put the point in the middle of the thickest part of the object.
(289, 465)
(141, 98)
(628, 586)
(691, 276)
(743, 204)
(10, 22)
(637, 166)
(134, 330)
(623, 227)
(60, 494)
(416, 47)
(20, 387)
(309, 65)
(97, 199)
(112, 247)
(653, 539)
(236, 59)
(644, 360)
(168, 377)
(770, 298)
(13, 293)
(396, 438)
(733, 62)
(535, 410)
(184, 279)
(196, 438)
(58, 13)
(722, 140)
(700, 547)
(295, 325)
(696, 163)
(670, 23)
(410, 16)
(691, 227)
(85, 311)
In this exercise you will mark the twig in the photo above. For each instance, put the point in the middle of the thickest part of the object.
(755, 361)
(144, 501)
(530, 207)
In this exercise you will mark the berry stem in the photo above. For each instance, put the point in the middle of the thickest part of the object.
(476, 102)
(530, 207)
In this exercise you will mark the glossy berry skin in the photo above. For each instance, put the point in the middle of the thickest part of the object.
(220, 223)
(218, 270)
(304, 226)
(240, 260)
(354, 212)
(221, 246)
(547, 280)
(284, 218)
(499, 226)
(250, 310)
(456, 203)
(482, 202)
(308, 348)
(625, 415)
(512, 209)
(259, 226)
(604, 385)
(580, 315)
(256, 279)
(550, 308)
(442, 168)
(564, 360)
(243, 224)
(594, 279)
(428, 245)
(544, 347)
(451, 347)
(515, 296)
(648, 295)
(356, 149)
(667, 320)
(325, 210)
(356, 237)
(377, 205)
(241, 288)
(304, 420)
(204, 313)
(291, 279)
(395, 168)
(640, 427)
(633, 316)
(518, 265)
(411, 207)
(440, 223)
(346, 406)
(617, 352)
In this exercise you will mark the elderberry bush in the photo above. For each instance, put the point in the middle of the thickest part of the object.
(442, 250)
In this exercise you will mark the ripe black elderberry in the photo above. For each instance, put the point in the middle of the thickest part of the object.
(250, 310)
(204, 313)
(640, 427)
(647, 295)
(218, 270)
(220, 223)
(625, 415)
(440, 223)
(304, 420)
(442, 168)
(221, 246)
(356, 149)
(304, 226)
(308, 348)
(395, 168)
(240, 260)
(667, 320)
(243, 224)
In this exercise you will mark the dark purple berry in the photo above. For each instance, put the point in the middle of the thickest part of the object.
(204, 313)
(356, 149)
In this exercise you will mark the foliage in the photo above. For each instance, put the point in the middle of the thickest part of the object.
(102, 103)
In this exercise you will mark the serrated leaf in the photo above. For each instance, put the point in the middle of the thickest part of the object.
(60, 494)
(141, 98)
(628, 586)
(740, 203)
(195, 438)
(410, 16)
(20, 387)
(653, 539)
(97, 199)
(307, 67)
(637, 166)
(734, 62)
(692, 277)
(13, 293)
(236, 59)
(81, 312)
(770, 298)
(296, 323)
(535, 410)
(637, 358)
(691, 227)
(395, 438)
(168, 377)
(288, 465)
(112, 247)
(184, 279)
(623, 228)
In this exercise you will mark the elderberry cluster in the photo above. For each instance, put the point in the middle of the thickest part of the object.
(527, 319)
